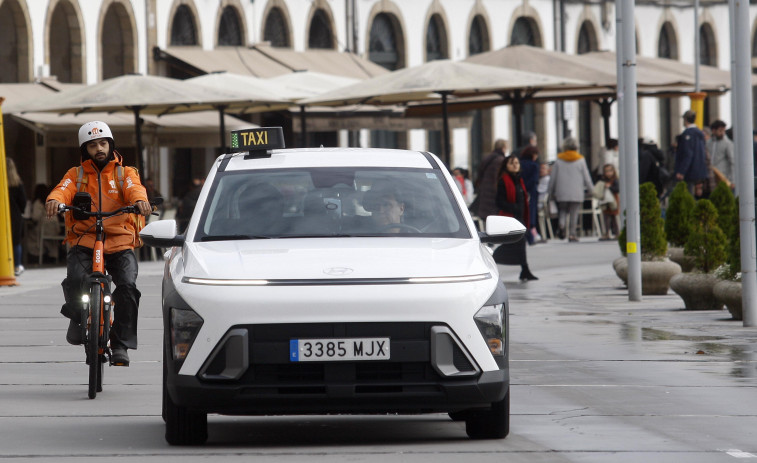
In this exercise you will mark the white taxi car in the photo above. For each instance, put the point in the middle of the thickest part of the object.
(332, 281)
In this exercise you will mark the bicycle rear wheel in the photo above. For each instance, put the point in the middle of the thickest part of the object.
(93, 341)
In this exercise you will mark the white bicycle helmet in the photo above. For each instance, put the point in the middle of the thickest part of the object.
(94, 130)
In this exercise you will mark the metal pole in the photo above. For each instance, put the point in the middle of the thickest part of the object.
(697, 50)
(732, 37)
(742, 130)
(303, 127)
(630, 143)
(445, 131)
(222, 126)
(621, 112)
(138, 129)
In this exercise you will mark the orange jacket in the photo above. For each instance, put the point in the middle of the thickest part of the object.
(120, 233)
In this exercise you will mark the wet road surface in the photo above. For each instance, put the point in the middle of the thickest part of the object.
(595, 378)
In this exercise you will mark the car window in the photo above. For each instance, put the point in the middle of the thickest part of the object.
(329, 202)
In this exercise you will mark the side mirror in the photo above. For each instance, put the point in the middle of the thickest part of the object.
(501, 229)
(161, 234)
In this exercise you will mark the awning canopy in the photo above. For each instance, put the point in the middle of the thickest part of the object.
(266, 61)
(184, 130)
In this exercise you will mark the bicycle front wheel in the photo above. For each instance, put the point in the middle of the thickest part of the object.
(93, 340)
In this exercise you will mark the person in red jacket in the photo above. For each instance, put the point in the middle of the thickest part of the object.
(99, 176)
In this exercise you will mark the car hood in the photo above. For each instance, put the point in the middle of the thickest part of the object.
(326, 258)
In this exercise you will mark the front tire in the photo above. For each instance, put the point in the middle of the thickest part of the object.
(183, 426)
(93, 341)
(493, 423)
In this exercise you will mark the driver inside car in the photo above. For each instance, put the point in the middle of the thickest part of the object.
(386, 209)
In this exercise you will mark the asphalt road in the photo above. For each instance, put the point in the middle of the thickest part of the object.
(595, 378)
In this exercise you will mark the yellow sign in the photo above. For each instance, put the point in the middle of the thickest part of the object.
(258, 139)
(631, 248)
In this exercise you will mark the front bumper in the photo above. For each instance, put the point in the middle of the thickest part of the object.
(339, 397)
(250, 373)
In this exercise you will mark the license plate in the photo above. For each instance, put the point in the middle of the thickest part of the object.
(336, 349)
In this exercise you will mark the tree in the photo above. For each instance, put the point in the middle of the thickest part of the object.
(678, 215)
(725, 203)
(654, 245)
(652, 227)
(706, 242)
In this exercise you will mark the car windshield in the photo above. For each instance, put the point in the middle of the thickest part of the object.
(330, 202)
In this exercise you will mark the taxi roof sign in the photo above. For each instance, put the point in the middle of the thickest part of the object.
(257, 139)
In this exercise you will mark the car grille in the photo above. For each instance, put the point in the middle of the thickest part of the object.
(409, 370)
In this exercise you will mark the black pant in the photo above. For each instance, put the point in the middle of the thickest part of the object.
(123, 268)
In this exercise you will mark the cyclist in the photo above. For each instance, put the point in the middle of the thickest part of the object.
(99, 176)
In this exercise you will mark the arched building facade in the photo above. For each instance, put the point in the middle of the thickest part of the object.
(85, 41)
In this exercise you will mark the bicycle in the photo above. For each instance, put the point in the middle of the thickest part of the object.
(97, 302)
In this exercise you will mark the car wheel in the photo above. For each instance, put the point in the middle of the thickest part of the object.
(184, 426)
(490, 424)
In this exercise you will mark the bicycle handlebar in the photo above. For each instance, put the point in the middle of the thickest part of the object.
(123, 210)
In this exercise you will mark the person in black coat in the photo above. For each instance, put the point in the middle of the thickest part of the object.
(512, 200)
(651, 165)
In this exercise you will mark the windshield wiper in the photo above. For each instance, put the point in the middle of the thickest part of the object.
(233, 237)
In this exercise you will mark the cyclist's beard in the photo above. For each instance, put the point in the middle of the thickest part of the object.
(101, 164)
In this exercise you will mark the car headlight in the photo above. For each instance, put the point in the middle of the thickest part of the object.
(490, 320)
(185, 324)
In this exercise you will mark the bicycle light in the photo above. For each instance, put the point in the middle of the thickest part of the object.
(85, 298)
(106, 299)
(185, 324)
(491, 323)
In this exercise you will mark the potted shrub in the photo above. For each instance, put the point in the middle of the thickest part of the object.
(707, 244)
(725, 203)
(678, 224)
(728, 290)
(656, 270)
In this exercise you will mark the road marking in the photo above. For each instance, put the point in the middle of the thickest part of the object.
(736, 453)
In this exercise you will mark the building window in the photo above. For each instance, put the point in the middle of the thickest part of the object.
(382, 48)
(183, 27)
(230, 28)
(320, 34)
(524, 33)
(116, 43)
(708, 57)
(478, 39)
(436, 48)
(276, 30)
(436, 39)
(10, 40)
(65, 46)
(478, 42)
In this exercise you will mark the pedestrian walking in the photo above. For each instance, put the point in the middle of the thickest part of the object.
(690, 158)
(568, 184)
